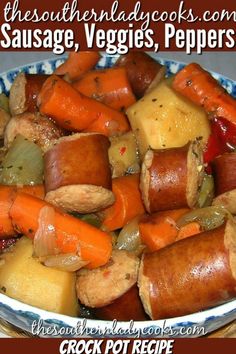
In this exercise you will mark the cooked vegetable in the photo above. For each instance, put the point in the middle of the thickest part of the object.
(171, 178)
(128, 203)
(25, 279)
(209, 218)
(190, 275)
(4, 102)
(164, 119)
(225, 131)
(45, 239)
(129, 237)
(109, 86)
(73, 111)
(159, 230)
(213, 149)
(91, 219)
(109, 124)
(67, 262)
(77, 64)
(73, 235)
(3, 152)
(36, 190)
(200, 87)
(24, 92)
(23, 163)
(141, 70)
(191, 229)
(206, 193)
(4, 119)
(222, 138)
(77, 173)
(7, 196)
(123, 155)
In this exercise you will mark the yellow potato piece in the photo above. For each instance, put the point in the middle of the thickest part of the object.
(24, 278)
(164, 119)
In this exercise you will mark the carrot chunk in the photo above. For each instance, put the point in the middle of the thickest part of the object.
(77, 64)
(73, 235)
(7, 196)
(110, 86)
(159, 230)
(73, 111)
(200, 87)
(128, 202)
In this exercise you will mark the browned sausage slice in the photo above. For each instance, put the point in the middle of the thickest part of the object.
(227, 200)
(141, 70)
(126, 308)
(34, 127)
(101, 286)
(24, 92)
(171, 178)
(190, 275)
(224, 170)
(77, 173)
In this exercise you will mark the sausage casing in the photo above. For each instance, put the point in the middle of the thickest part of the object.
(190, 275)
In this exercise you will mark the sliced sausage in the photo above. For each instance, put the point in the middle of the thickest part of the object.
(141, 70)
(190, 275)
(77, 173)
(34, 127)
(227, 200)
(126, 308)
(24, 92)
(101, 286)
(224, 170)
(171, 178)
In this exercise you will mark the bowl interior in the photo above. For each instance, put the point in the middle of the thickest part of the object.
(30, 318)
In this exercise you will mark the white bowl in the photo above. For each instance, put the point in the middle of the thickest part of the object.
(48, 324)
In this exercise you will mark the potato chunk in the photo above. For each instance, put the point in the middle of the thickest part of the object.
(24, 278)
(164, 119)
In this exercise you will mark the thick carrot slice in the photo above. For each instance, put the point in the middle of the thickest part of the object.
(77, 64)
(159, 230)
(201, 88)
(110, 86)
(7, 196)
(109, 126)
(37, 190)
(128, 202)
(73, 235)
(191, 229)
(70, 109)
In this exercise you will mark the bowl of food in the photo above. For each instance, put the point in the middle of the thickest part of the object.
(117, 197)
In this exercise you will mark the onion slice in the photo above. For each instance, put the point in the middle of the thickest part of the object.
(67, 262)
(209, 218)
(45, 240)
(129, 237)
